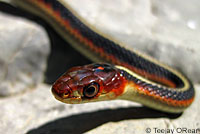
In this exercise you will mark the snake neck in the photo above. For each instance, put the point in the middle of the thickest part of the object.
(156, 96)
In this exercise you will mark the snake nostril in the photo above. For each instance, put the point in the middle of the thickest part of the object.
(66, 94)
(61, 88)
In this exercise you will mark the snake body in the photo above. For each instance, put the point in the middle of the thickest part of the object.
(130, 75)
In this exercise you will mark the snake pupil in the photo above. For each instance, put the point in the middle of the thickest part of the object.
(90, 90)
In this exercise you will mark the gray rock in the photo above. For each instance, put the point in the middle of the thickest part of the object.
(161, 29)
(24, 48)
(38, 112)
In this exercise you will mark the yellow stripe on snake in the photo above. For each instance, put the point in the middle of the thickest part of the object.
(126, 73)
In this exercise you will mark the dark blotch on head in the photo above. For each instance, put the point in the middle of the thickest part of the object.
(103, 67)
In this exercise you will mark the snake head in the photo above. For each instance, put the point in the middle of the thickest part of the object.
(89, 83)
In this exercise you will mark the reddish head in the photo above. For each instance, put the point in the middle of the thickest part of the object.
(89, 83)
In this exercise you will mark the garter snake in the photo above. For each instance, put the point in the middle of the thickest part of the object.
(127, 74)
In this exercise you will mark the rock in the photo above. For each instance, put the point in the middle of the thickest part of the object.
(38, 112)
(24, 49)
(157, 28)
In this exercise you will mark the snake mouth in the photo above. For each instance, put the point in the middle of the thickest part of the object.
(70, 100)
(65, 96)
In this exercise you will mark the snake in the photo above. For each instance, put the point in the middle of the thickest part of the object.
(118, 72)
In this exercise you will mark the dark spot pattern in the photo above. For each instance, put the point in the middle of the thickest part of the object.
(103, 67)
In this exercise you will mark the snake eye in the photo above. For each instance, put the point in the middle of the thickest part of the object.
(91, 90)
